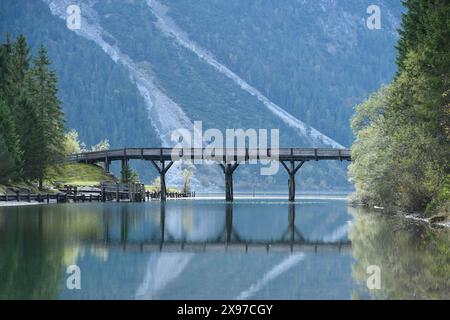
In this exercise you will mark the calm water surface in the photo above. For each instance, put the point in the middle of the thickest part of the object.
(206, 249)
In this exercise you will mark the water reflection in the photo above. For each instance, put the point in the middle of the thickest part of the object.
(414, 259)
(216, 226)
(262, 249)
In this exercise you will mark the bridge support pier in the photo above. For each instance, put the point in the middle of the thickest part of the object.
(106, 162)
(124, 167)
(228, 169)
(292, 169)
(162, 169)
(107, 165)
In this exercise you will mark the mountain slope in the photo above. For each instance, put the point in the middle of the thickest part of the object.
(125, 78)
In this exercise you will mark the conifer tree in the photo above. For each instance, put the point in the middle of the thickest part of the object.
(49, 123)
(10, 155)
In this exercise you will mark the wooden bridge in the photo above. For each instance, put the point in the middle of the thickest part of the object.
(292, 159)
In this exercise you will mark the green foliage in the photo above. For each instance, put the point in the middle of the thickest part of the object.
(72, 144)
(402, 148)
(129, 175)
(7, 164)
(45, 143)
(31, 120)
(11, 155)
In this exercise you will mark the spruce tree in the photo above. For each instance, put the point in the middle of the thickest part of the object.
(10, 145)
(5, 55)
(8, 128)
(18, 64)
(7, 165)
(49, 123)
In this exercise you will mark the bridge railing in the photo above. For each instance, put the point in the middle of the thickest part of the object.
(202, 153)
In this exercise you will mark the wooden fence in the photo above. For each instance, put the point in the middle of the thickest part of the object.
(133, 192)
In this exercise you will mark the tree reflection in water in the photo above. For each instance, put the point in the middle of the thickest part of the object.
(414, 258)
(35, 249)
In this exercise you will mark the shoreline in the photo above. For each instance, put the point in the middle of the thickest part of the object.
(17, 203)
(419, 217)
(214, 197)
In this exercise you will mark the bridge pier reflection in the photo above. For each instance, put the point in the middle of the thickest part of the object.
(168, 231)
(229, 221)
(162, 221)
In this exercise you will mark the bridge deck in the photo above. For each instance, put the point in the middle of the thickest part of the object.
(166, 154)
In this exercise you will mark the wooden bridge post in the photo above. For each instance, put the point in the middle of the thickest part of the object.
(103, 193)
(130, 192)
(107, 162)
(162, 178)
(162, 169)
(228, 184)
(228, 170)
(107, 165)
(291, 183)
(124, 166)
(292, 170)
(143, 192)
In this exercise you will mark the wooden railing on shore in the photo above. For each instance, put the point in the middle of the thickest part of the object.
(49, 197)
(133, 192)
(173, 195)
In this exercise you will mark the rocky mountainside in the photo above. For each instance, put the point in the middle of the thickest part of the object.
(137, 70)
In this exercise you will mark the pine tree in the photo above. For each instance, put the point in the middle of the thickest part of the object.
(18, 64)
(10, 139)
(5, 55)
(45, 142)
(7, 165)
(10, 145)
(14, 65)
(31, 120)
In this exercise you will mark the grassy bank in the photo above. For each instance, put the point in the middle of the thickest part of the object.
(76, 174)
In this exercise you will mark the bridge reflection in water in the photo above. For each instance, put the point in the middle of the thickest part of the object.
(184, 230)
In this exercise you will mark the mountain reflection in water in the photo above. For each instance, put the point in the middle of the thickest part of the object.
(251, 249)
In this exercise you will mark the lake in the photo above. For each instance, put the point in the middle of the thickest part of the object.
(317, 248)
